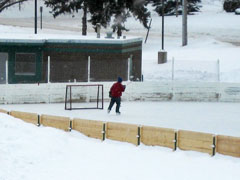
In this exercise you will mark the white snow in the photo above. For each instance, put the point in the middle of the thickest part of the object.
(237, 11)
(28, 152)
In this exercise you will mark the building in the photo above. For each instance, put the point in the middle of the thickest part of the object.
(41, 60)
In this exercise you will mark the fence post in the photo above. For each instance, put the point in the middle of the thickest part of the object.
(89, 67)
(104, 132)
(214, 146)
(139, 135)
(218, 70)
(38, 122)
(172, 82)
(70, 125)
(48, 69)
(128, 75)
(130, 68)
(6, 71)
(175, 141)
(172, 68)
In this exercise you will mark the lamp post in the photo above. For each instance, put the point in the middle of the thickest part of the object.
(162, 55)
(162, 24)
(41, 10)
(184, 23)
(35, 17)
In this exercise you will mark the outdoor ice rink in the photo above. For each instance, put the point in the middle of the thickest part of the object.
(210, 117)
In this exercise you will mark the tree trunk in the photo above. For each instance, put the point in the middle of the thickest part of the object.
(119, 30)
(176, 8)
(84, 21)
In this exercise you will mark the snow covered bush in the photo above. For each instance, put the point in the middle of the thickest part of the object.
(231, 5)
(237, 11)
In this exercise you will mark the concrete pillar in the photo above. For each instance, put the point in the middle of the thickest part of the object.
(162, 57)
(98, 30)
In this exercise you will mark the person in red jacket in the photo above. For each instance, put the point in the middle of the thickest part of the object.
(115, 94)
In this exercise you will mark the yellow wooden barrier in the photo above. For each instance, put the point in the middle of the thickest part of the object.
(3, 111)
(56, 122)
(196, 141)
(186, 140)
(27, 117)
(228, 145)
(90, 128)
(122, 132)
(155, 136)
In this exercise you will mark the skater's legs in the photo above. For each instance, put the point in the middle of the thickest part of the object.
(111, 103)
(118, 102)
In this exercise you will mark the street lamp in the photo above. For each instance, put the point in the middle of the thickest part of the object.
(35, 17)
(162, 24)
(41, 10)
(162, 55)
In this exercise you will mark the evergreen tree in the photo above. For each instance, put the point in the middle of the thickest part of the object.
(101, 11)
(119, 10)
(4, 4)
(69, 6)
(231, 5)
(123, 9)
(173, 7)
(98, 13)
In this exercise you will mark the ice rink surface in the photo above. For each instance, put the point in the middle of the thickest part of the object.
(211, 117)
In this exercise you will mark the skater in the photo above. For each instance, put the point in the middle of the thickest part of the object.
(115, 93)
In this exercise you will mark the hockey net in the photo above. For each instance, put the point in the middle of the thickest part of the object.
(84, 97)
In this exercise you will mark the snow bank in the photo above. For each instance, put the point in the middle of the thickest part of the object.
(28, 152)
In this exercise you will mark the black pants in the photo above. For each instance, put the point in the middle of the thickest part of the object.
(116, 100)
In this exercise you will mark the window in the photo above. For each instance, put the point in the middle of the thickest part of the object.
(25, 64)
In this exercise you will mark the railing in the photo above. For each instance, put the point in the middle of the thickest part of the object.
(184, 70)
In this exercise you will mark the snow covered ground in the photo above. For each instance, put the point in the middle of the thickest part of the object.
(28, 152)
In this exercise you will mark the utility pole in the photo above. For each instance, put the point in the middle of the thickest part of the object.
(35, 17)
(162, 55)
(162, 24)
(41, 10)
(176, 8)
(184, 22)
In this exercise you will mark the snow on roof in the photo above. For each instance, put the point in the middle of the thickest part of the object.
(59, 38)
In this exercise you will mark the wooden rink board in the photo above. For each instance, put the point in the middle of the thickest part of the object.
(228, 145)
(27, 117)
(122, 132)
(56, 122)
(3, 111)
(155, 136)
(195, 141)
(90, 128)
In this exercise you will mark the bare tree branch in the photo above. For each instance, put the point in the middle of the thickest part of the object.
(7, 3)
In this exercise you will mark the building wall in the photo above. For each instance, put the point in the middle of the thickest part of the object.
(12, 49)
(69, 60)
(69, 63)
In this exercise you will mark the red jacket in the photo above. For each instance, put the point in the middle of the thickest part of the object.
(117, 89)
